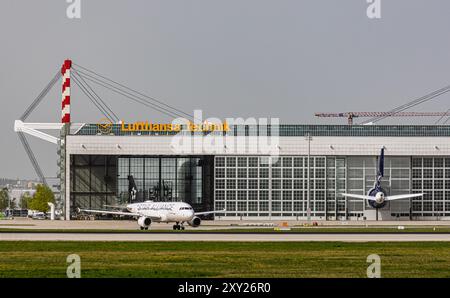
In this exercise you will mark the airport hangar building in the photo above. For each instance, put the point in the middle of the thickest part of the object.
(256, 185)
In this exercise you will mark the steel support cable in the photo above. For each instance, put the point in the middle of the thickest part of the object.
(443, 116)
(41, 95)
(411, 104)
(430, 97)
(25, 115)
(32, 157)
(422, 98)
(137, 92)
(111, 112)
(132, 97)
(128, 94)
(91, 98)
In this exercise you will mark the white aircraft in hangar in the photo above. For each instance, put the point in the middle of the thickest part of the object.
(377, 196)
(149, 211)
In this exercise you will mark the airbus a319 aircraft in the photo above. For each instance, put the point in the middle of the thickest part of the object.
(149, 211)
(376, 196)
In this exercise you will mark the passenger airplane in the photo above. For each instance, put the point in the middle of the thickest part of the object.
(376, 196)
(149, 211)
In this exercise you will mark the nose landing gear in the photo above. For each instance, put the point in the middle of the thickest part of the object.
(178, 227)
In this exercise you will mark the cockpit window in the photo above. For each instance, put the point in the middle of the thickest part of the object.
(185, 208)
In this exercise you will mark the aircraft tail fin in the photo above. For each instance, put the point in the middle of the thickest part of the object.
(132, 188)
(381, 163)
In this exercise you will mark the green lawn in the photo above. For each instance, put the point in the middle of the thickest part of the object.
(224, 259)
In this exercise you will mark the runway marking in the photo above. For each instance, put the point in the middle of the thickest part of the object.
(256, 237)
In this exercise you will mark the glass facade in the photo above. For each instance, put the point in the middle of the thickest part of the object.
(161, 178)
(263, 186)
(252, 186)
(431, 176)
(100, 180)
(93, 181)
(278, 186)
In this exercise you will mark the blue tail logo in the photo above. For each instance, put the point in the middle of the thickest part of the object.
(381, 164)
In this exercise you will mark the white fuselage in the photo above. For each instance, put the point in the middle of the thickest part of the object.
(165, 211)
(379, 197)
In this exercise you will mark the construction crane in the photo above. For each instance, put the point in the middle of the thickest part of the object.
(351, 115)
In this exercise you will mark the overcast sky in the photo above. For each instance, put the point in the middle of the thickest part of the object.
(230, 58)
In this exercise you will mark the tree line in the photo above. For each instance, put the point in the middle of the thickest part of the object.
(38, 201)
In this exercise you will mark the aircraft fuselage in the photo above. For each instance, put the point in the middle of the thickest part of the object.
(166, 211)
(380, 195)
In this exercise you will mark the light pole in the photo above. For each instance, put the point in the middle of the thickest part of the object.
(308, 201)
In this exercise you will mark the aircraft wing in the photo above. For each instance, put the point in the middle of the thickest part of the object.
(118, 213)
(109, 212)
(209, 212)
(362, 197)
(407, 196)
(115, 206)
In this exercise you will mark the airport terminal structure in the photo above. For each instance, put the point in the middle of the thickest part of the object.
(342, 159)
(252, 171)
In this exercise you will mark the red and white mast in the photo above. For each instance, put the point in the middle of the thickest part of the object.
(65, 71)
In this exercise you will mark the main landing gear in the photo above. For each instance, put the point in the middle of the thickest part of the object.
(178, 227)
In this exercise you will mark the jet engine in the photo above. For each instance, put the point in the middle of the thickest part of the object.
(144, 222)
(195, 221)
